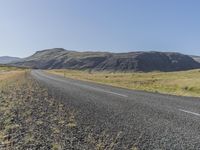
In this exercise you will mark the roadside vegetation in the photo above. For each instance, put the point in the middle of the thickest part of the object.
(33, 118)
(5, 68)
(184, 83)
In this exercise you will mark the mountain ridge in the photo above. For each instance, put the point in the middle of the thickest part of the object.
(8, 59)
(59, 58)
(196, 58)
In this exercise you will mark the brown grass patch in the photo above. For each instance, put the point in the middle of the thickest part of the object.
(185, 83)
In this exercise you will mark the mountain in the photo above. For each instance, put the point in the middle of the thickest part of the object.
(8, 59)
(196, 58)
(133, 61)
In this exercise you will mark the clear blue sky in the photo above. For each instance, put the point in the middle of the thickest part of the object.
(104, 25)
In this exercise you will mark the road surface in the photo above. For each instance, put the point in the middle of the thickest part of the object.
(144, 120)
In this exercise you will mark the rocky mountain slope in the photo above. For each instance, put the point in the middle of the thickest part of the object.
(8, 59)
(196, 58)
(133, 61)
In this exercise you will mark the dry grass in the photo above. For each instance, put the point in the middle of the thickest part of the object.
(31, 118)
(10, 68)
(185, 83)
(10, 72)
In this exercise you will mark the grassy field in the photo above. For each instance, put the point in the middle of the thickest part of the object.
(8, 72)
(30, 118)
(4, 68)
(185, 83)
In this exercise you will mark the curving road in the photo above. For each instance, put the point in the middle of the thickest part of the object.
(144, 120)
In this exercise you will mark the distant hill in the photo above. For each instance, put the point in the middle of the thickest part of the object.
(133, 61)
(8, 59)
(196, 58)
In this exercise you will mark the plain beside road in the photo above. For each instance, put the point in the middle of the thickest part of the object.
(137, 119)
(184, 83)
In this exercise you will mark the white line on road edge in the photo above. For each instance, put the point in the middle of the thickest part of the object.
(87, 86)
(190, 112)
(98, 89)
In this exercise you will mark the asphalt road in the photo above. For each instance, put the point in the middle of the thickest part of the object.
(141, 119)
